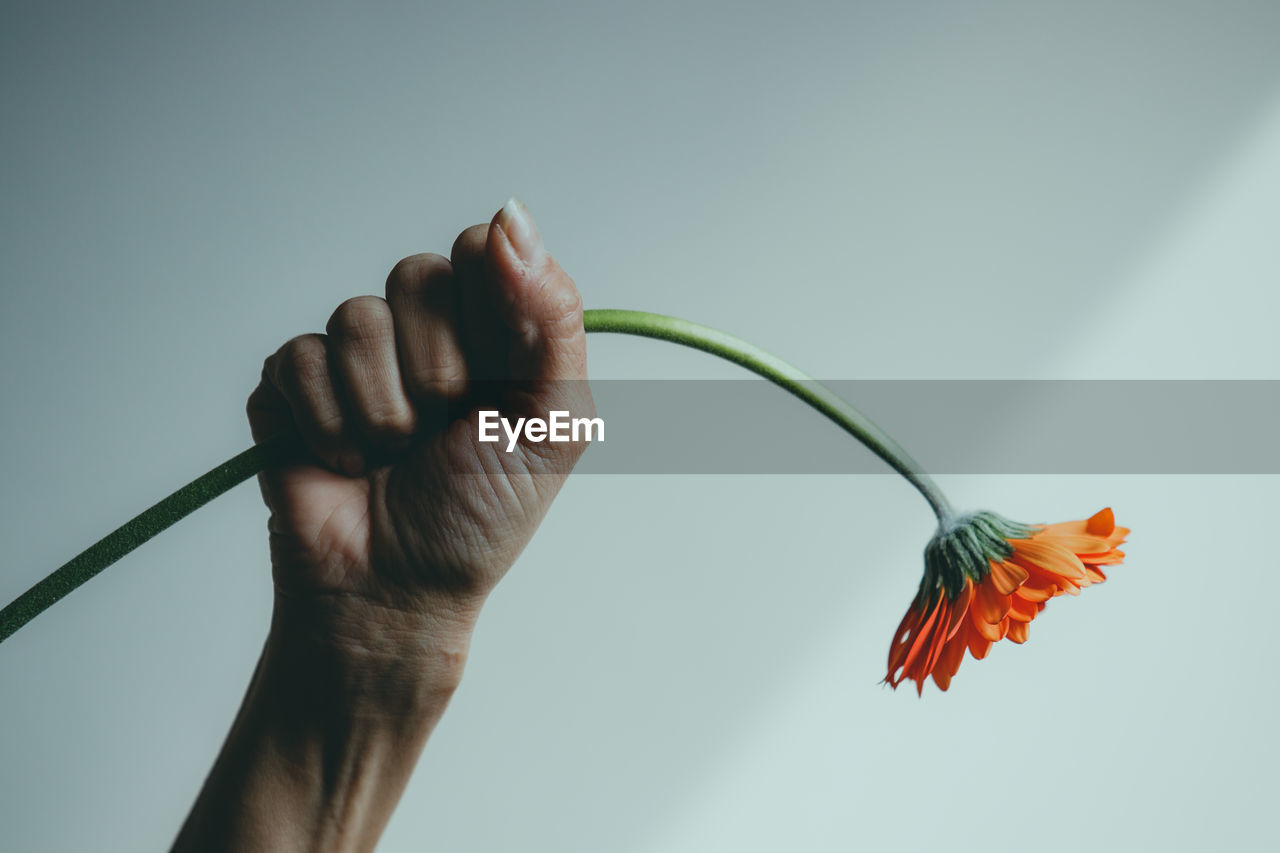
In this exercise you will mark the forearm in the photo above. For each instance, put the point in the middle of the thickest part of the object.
(337, 713)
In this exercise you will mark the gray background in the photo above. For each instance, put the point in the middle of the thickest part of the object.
(897, 190)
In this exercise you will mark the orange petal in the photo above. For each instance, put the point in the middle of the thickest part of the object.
(1064, 528)
(1043, 554)
(900, 644)
(1022, 610)
(1101, 523)
(989, 631)
(1038, 594)
(950, 660)
(1018, 631)
(1080, 545)
(1006, 576)
(942, 633)
(978, 644)
(1055, 584)
(1089, 527)
(920, 644)
(959, 608)
(988, 604)
(1039, 586)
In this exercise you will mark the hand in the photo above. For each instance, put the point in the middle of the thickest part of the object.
(396, 514)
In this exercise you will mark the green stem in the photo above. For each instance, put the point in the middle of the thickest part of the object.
(782, 374)
(137, 530)
(241, 467)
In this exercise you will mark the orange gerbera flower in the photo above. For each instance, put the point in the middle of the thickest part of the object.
(985, 579)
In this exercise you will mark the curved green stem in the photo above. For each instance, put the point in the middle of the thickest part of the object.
(782, 374)
(241, 467)
(137, 530)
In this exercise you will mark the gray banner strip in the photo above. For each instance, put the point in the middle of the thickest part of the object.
(951, 427)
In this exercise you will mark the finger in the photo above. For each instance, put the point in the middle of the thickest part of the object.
(542, 310)
(270, 416)
(483, 334)
(362, 350)
(423, 295)
(268, 412)
(298, 374)
(538, 301)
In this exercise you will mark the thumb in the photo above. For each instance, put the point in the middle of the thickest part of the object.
(542, 310)
(538, 301)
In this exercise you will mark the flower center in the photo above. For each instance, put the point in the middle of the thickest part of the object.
(964, 550)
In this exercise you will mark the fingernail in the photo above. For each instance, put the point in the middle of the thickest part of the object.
(523, 234)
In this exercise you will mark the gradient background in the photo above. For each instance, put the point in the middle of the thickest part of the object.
(873, 190)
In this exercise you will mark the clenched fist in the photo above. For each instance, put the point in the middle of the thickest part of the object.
(397, 502)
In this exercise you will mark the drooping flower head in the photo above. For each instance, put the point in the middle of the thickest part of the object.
(985, 579)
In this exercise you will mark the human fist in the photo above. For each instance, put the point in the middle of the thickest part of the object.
(391, 499)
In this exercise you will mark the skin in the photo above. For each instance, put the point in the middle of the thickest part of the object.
(390, 528)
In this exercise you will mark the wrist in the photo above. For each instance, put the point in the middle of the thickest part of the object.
(368, 658)
(339, 709)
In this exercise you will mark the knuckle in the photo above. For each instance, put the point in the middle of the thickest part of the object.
(329, 426)
(564, 305)
(361, 317)
(258, 401)
(411, 275)
(470, 243)
(448, 381)
(306, 361)
(389, 420)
